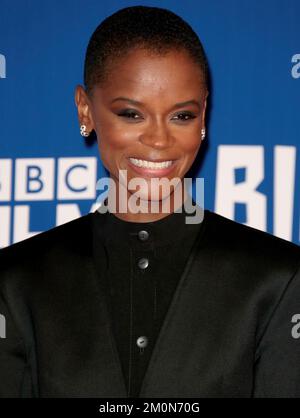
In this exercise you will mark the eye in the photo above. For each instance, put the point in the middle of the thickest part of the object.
(129, 114)
(185, 116)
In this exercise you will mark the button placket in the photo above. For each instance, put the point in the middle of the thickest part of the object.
(142, 251)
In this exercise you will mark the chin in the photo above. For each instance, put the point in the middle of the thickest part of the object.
(143, 199)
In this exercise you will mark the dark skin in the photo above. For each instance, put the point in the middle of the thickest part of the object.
(154, 129)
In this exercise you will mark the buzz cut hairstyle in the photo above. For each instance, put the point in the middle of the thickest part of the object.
(157, 30)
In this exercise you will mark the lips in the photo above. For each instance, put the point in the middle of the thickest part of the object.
(152, 168)
(151, 164)
(154, 160)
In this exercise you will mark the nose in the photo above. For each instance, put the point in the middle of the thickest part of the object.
(157, 135)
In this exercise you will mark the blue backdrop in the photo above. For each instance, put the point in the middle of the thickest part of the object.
(251, 161)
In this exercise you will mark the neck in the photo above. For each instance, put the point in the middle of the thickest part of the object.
(121, 204)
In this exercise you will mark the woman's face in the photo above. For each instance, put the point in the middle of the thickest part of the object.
(151, 108)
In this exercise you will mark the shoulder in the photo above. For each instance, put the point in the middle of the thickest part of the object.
(249, 254)
(29, 253)
(253, 267)
(242, 238)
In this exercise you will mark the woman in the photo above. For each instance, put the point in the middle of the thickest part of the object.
(126, 303)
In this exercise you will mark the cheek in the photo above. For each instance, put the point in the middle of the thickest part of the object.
(112, 144)
(189, 143)
(115, 134)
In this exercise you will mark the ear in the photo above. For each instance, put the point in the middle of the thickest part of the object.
(204, 108)
(83, 104)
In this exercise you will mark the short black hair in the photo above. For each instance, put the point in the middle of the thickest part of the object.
(156, 29)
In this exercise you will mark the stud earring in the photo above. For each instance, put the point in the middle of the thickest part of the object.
(202, 133)
(83, 131)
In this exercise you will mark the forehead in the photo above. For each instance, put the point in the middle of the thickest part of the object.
(146, 75)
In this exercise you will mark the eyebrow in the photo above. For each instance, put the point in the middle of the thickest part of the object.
(135, 102)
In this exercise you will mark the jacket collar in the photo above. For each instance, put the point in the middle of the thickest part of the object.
(166, 231)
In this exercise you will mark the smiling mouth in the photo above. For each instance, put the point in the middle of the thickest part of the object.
(158, 165)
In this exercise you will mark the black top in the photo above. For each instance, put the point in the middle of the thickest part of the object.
(232, 329)
(144, 262)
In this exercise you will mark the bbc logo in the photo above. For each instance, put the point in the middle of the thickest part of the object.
(41, 179)
(63, 182)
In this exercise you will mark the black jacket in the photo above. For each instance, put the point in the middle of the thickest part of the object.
(230, 330)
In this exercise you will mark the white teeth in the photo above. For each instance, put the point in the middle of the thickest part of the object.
(150, 164)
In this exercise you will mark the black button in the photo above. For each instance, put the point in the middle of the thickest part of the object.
(143, 235)
(143, 263)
